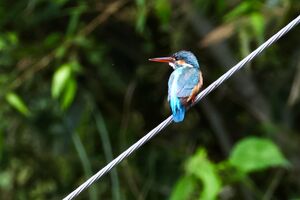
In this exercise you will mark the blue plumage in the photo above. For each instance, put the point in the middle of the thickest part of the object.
(181, 83)
(184, 82)
(178, 110)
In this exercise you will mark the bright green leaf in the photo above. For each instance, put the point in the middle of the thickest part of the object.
(258, 24)
(205, 170)
(254, 154)
(15, 101)
(69, 93)
(60, 79)
(184, 188)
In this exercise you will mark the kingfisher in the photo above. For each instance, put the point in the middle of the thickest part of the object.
(184, 83)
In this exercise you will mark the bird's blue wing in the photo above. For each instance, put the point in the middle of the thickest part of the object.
(181, 83)
(186, 82)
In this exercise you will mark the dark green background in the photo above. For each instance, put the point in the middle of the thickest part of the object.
(76, 89)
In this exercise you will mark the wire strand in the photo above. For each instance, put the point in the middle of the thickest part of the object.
(169, 120)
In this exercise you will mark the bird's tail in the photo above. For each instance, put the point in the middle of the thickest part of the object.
(177, 108)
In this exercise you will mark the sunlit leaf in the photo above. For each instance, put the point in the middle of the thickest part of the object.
(254, 154)
(69, 93)
(183, 188)
(15, 101)
(258, 24)
(60, 79)
(205, 170)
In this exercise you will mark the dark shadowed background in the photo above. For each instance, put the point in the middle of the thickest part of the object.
(77, 89)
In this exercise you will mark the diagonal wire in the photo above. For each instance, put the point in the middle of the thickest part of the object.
(169, 120)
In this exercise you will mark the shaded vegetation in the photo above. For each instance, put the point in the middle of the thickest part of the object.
(76, 90)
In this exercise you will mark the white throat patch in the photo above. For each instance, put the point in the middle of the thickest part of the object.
(172, 65)
(184, 65)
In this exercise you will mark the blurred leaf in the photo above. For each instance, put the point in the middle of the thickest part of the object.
(42, 188)
(74, 18)
(60, 79)
(141, 15)
(203, 169)
(2, 43)
(60, 51)
(52, 39)
(246, 7)
(184, 188)
(239, 10)
(15, 101)
(6, 180)
(258, 24)
(254, 154)
(163, 10)
(8, 40)
(221, 6)
(1, 144)
(69, 93)
(203, 5)
(12, 38)
(244, 42)
(24, 175)
(85, 163)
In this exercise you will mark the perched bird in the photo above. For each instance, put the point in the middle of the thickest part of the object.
(184, 82)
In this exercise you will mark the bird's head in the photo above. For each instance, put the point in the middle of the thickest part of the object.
(179, 59)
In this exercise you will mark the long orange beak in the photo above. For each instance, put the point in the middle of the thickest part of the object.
(163, 59)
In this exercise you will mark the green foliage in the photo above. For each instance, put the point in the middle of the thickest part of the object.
(163, 10)
(76, 89)
(6, 180)
(248, 155)
(254, 154)
(69, 94)
(244, 8)
(184, 188)
(141, 15)
(8, 43)
(198, 168)
(60, 79)
(204, 170)
(16, 101)
(258, 25)
(64, 84)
